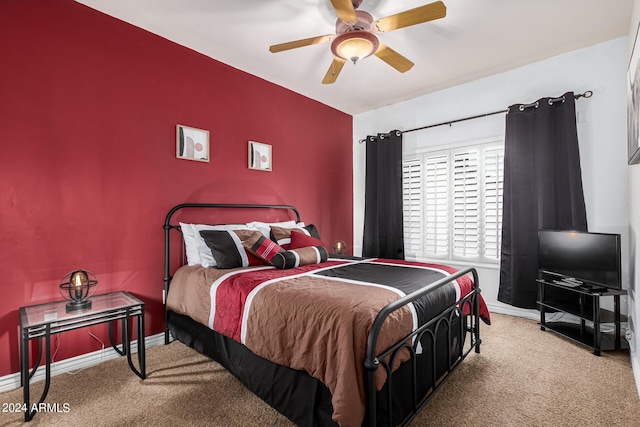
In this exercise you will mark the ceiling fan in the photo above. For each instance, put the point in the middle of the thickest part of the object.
(356, 38)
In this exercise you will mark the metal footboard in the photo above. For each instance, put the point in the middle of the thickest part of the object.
(469, 324)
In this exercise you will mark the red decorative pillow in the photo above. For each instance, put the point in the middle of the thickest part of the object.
(282, 235)
(301, 240)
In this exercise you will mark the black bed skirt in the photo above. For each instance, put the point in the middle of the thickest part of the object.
(303, 399)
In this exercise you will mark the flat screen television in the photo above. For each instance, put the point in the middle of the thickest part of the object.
(592, 259)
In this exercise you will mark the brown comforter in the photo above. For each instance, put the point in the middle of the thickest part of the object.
(296, 318)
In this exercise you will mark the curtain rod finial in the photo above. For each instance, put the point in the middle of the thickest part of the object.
(587, 94)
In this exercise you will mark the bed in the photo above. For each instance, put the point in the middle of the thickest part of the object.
(324, 339)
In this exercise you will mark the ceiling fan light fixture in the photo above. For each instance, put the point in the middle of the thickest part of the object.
(354, 45)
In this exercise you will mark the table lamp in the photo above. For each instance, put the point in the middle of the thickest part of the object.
(339, 247)
(77, 288)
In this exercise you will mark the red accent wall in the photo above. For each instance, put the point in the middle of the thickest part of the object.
(88, 171)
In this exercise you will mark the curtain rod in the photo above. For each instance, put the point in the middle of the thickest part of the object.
(587, 94)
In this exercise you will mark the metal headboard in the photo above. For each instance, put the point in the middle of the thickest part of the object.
(168, 226)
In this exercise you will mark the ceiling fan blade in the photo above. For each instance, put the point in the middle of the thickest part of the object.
(333, 71)
(345, 10)
(407, 18)
(393, 58)
(301, 43)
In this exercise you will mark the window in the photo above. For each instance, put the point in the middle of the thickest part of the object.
(453, 203)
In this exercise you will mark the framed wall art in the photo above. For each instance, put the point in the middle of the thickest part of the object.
(259, 156)
(633, 103)
(192, 143)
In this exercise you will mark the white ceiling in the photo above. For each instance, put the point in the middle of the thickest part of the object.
(477, 38)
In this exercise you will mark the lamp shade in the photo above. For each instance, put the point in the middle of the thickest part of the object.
(339, 247)
(354, 45)
(77, 286)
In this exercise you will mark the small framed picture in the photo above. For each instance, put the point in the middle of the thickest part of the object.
(259, 156)
(192, 143)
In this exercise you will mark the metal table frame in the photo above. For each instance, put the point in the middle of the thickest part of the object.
(105, 308)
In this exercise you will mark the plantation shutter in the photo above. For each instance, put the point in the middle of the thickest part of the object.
(493, 179)
(466, 213)
(452, 203)
(436, 206)
(412, 206)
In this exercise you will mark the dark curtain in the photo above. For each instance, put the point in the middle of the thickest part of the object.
(542, 190)
(383, 234)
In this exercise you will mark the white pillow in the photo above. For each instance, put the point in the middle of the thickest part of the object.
(265, 227)
(190, 244)
(197, 250)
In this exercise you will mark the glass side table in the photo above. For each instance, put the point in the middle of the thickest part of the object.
(43, 320)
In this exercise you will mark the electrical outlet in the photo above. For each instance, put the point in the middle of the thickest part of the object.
(582, 116)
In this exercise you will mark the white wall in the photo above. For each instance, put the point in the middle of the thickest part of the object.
(601, 132)
(634, 230)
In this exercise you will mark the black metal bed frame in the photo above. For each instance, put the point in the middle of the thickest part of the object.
(468, 324)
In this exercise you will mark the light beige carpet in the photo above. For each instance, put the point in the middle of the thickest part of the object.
(522, 377)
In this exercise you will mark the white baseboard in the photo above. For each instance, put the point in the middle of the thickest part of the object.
(635, 362)
(514, 311)
(12, 381)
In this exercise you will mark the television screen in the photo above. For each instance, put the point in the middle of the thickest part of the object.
(591, 258)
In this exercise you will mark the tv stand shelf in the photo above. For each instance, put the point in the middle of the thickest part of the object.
(583, 302)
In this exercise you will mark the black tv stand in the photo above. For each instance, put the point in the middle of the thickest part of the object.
(584, 302)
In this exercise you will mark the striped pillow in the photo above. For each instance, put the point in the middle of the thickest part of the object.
(263, 248)
(297, 257)
(230, 247)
